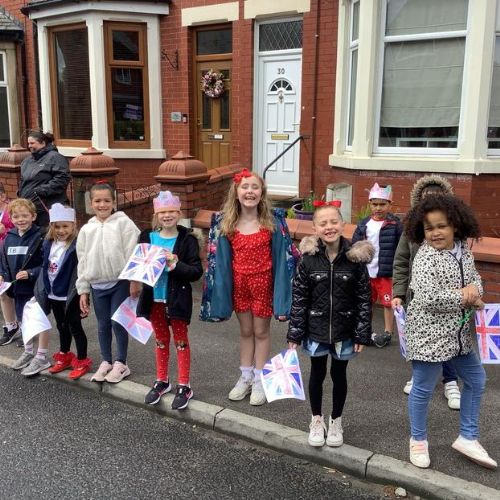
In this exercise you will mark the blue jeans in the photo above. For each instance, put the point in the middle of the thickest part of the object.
(425, 377)
(106, 302)
(449, 372)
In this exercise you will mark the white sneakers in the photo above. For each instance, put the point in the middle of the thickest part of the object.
(102, 371)
(317, 431)
(241, 389)
(452, 394)
(408, 386)
(335, 435)
(474, 451)
(419, 453)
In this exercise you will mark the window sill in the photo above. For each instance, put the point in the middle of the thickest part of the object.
(145, 154)
(399, 163)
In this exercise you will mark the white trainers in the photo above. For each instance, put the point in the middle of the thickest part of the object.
(408, 386)
(118, 373)
(419, 453)
(102, 371)
(258, 396)
(242, 388)
(452, 394)
(474, 451)
(335, 435)
(317, 431)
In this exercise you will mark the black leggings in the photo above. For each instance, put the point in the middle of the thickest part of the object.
(339, 377)
(69, 324)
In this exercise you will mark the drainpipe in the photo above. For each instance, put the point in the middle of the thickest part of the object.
(315, 93)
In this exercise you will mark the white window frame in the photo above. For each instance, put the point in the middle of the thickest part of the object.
(471, 154)
(494, 151)
(353, 46)
(5, 84)
(94, 18)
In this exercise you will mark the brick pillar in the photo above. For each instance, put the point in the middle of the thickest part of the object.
(86, 169)
(10, 168)
(186, 178)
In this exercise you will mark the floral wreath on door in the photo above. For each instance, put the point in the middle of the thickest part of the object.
(212, 84)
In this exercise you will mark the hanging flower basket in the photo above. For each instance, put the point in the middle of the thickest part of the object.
(212, 84)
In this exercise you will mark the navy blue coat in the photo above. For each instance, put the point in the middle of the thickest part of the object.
(21, 253)
(391, 231)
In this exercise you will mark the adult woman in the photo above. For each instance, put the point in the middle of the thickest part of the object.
(44, 175)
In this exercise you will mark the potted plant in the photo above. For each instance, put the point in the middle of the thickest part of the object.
(304, 210)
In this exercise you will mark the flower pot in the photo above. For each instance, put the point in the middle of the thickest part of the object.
(302, 214)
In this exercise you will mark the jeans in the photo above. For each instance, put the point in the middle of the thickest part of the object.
(449, 372)
(106, 302)
(425, 377)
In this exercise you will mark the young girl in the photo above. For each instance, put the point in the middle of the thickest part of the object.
(170, 303)
(250, 268)
(331, 314)
(6, 302)
(55, 291)
(445, 284)
(103, 247)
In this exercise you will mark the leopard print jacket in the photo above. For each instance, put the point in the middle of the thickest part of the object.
(434, 328)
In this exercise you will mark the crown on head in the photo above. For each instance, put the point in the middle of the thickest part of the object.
(166, 201)
(60, 213)
(380, 193)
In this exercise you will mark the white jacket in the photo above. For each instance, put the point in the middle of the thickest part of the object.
(103, 249)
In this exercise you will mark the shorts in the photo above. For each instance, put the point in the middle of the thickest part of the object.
(381, 291)
(253, 292)
(343, 350)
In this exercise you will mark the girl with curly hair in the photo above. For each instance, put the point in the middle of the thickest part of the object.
(446, 288)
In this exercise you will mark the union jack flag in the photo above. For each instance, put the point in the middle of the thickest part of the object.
(488, 333)
(145, 264)
(138, 328)
(281, 377)
(400, 315)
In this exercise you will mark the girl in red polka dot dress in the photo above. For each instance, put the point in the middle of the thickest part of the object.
(252, 247)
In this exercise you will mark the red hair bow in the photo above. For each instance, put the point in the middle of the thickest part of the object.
(321, 203)
(240, 176)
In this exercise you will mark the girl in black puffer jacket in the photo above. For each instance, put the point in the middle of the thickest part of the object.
(330, 314)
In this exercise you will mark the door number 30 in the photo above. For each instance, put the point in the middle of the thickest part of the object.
(281, 71)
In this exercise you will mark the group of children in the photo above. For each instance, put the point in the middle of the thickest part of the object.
(252, 270)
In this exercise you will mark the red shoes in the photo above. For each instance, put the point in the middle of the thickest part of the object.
(80, 368)
(63, 361)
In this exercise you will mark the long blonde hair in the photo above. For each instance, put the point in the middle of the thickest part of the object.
(231, 209)
(51, 233)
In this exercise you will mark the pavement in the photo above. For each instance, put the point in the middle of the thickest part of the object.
(375, 417)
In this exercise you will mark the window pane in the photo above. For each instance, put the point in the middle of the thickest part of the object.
(125, 45)
(4, 119)
(224, 111)
(214, 42)
(352, 96)
(207, 112)
(494, 119)
(280, 36)
(355, 21)
(128, 105)
(405, 17)
(422, 88)
(73, 84)
(2, 76)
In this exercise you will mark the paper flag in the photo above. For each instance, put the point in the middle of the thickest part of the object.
(34, 320)
(4, 286)
(400, 316)
(281, 377)
(488, 333)
(145, 264)
(138, 328)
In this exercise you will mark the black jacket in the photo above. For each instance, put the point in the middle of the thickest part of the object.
(21, 253)
(44, 179)
(188, 269)
(391, 231)
(331, 301)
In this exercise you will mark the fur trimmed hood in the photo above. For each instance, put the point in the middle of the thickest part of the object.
(362, 251)
(428, 180)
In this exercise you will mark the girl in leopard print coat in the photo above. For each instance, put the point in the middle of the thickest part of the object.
(446, 286)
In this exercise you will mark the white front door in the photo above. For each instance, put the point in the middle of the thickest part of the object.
(277, 117)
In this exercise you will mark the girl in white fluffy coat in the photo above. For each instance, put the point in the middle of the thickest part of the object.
(103, 247)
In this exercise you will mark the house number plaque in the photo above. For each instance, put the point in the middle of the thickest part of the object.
(279, 137)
